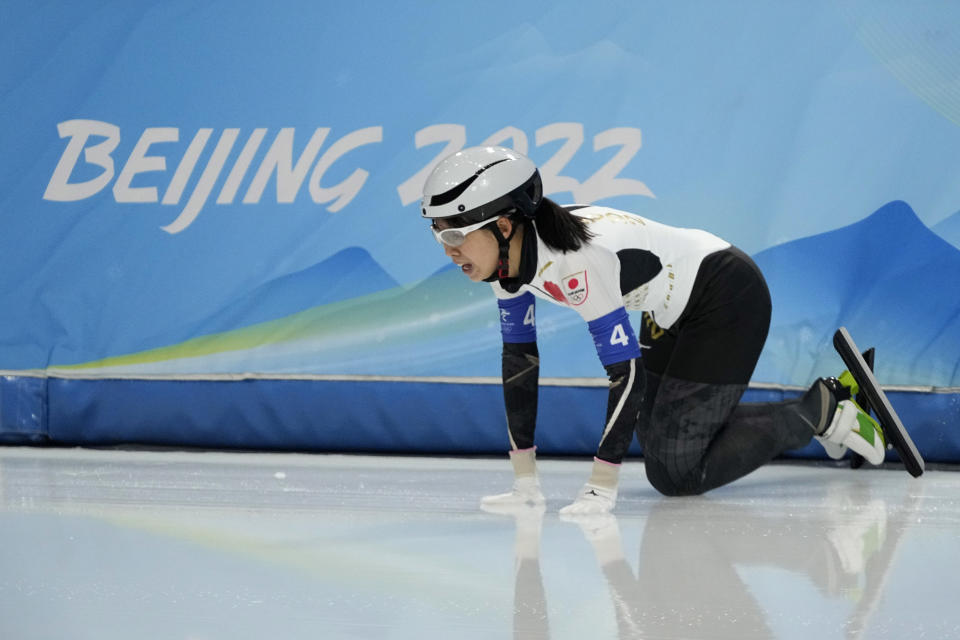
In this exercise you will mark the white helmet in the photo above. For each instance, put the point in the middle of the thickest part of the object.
(481, 182)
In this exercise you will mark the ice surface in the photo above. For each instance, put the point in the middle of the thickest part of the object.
(138, 544)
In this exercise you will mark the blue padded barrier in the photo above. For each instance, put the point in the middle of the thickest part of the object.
(23, 404)
(357, 416)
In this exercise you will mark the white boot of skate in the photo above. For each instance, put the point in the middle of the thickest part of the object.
(854, 429)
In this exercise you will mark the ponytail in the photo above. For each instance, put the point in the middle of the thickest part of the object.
(559, 229)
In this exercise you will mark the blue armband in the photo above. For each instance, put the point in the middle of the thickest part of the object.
(614, 337)
(517, 319)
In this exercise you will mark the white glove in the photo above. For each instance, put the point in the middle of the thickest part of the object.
(592, 499)
(525, 494)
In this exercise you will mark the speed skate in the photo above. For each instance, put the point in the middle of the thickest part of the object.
(893, 430)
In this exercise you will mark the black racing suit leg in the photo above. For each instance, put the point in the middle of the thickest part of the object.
(695, 434)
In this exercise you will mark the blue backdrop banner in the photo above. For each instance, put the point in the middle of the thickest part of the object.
(232, 187)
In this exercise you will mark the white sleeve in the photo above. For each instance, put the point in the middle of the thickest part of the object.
(592, 287)
(590, 281)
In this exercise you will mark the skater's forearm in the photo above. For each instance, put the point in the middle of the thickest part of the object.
(521, 379)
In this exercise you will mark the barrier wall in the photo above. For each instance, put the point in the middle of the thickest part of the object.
(199, 203)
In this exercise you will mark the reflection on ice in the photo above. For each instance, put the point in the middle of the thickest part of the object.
(120, 544)
(688, 579)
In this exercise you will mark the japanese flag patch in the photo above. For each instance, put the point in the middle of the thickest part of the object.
(575, 288)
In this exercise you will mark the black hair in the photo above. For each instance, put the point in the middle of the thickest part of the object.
(559, 229)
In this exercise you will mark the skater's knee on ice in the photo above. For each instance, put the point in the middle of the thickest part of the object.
(675, 465)
(673, 484)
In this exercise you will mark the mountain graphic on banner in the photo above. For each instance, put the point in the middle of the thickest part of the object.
(894, 283)
(349, 273)
(394, 331)
(888, 278)
(949, 229)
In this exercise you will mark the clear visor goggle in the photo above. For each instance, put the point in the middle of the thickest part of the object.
(456, 236)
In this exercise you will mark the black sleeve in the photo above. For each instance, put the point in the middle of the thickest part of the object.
(521, 382)
(627, 384)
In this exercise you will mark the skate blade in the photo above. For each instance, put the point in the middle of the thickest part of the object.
(893, 429)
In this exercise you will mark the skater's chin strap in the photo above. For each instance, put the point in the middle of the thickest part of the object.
(528, 257)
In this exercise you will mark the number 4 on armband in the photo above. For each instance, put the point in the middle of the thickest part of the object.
(619, 336)
(529, 318)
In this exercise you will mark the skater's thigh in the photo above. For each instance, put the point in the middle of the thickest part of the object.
(686, 416)
(720, 336)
